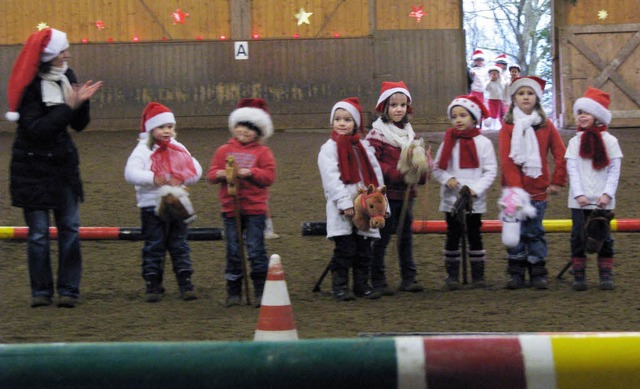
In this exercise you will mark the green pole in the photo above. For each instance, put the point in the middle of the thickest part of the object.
(326, 363)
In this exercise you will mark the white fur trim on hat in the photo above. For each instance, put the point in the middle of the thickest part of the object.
(349, 108)
(57, 44)
(472, 107)
(594, 108)
(257, 116)
(393, 91)
(524, 81)
(12, 116)
(158, 120)
(478, 54)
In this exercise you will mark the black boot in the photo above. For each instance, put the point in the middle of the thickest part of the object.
(185, 286)
(452, 267)
(259, 279)
(234, 292)
(154, 289)
(539, 275)
(361, 287)
(477, 274)
(516, 270)
(452, 282)
(578, 265)
(340, 285)
(476, 260)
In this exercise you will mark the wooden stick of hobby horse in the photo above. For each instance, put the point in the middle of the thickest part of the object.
(232, 189)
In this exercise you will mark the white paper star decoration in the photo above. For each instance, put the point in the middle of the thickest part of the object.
(602, 14)
(303, 16)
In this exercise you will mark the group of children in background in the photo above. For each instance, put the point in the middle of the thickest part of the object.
(493, 82)
(467, 159)
(353, 159)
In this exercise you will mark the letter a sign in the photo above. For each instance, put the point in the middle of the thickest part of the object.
(242, 50)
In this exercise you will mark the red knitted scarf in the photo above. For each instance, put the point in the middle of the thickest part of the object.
(171, 159)
(351, 156)
(592, 147)
(468, 152)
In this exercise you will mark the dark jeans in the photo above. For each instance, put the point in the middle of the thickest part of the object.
(579, 218)
(159, 237)
(253, 234)
(404, 246)
(533, 245)
(454, 232)
(67, 219)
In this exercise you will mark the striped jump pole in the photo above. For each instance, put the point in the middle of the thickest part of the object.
(109, 233)
(488, 226)
(592, 360)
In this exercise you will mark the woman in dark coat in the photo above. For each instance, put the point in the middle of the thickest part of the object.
(44, 99)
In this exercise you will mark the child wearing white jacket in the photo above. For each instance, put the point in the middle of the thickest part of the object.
(160, 165)
(465, 158)
(346, 165)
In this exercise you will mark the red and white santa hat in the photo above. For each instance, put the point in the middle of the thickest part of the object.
(501, 59)
(155, 115)
(477, 54)
(389, 88)
(472, 104)
(254, 111)
(533, 82)
(596, 103)
(41, 46)
(494, 68)
(515, 65)
(351, 105)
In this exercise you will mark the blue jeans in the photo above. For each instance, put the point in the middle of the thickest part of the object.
(578, 219)
(161, 236)
(533, 245)
(253, 234)
(67, 218)
(404, 246)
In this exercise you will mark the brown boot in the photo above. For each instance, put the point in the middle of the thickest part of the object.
(578, 265)
(605, 268)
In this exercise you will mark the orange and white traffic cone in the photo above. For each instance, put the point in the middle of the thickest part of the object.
(276, 316)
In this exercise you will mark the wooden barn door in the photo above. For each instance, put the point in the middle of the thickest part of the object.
(606, 57)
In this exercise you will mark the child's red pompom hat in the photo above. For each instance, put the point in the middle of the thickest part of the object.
(501, 59)
(389, 88)
(254, 111)
(596, 103)
(477, 54)
(155, 115)
(351, 105)
(41, 46)
(472, 104)
(533, 82)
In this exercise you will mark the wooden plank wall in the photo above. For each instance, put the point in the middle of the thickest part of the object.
(586, 12)
(606, 57)
(150, 20)
(602, 39)
(201, 81)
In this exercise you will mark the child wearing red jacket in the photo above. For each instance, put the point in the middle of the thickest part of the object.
(525, 140)
(404, 165)
(250, 124)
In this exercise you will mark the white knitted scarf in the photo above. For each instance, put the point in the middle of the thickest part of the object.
(52, 94)
(398, 137)
(524, 144)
